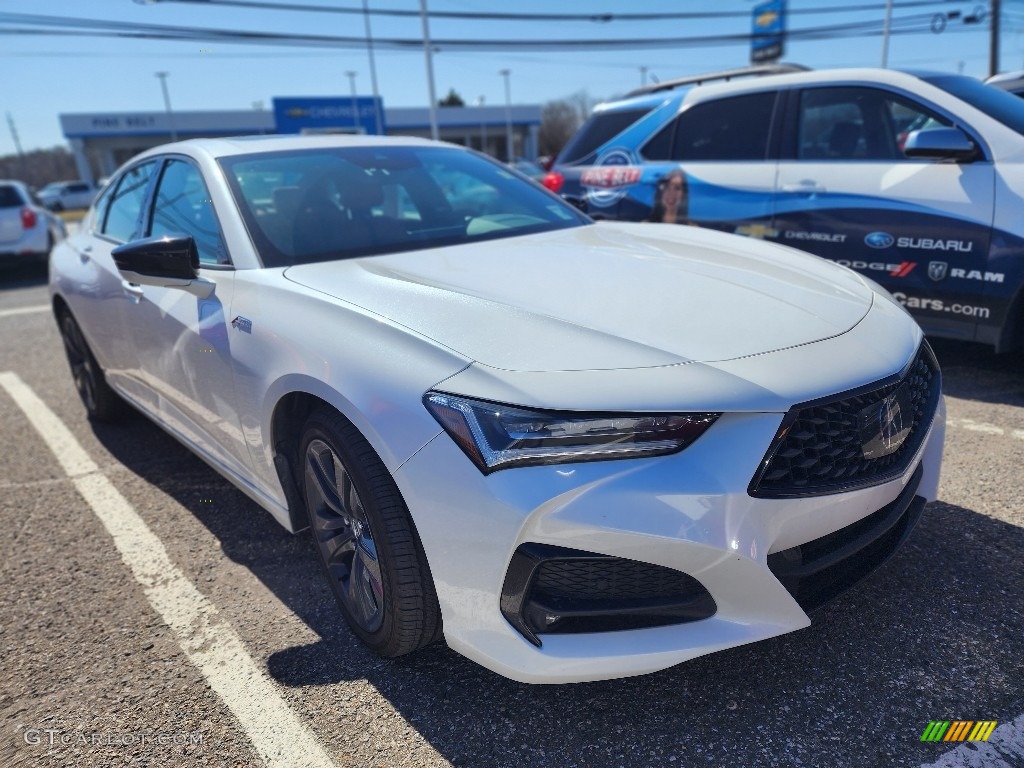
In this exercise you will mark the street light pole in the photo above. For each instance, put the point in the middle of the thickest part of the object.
(167, 104)
(373, 69)
(886, 27)
(435, 134)
(355, 103)
(508, 114)
(483, 127)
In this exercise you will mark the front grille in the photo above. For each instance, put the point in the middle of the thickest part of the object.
(551, 590)
(817, 571)
(825, 447)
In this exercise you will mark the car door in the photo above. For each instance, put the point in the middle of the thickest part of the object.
(846, 191)
(713, 165)
(97, 297)
(180, 338)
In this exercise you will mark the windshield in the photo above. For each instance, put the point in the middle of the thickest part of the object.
(999, 104)
(335, 203)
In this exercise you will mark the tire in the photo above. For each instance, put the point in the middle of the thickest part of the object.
(365, 538)
(100, 401)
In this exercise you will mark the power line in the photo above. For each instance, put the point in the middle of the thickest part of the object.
(552, 17)
(916, 24)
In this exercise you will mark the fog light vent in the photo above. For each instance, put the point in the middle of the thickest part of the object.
(557, 590)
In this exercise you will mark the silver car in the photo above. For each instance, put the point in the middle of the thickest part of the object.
(67, 195)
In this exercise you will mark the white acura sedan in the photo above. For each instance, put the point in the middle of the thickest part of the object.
(575, 450)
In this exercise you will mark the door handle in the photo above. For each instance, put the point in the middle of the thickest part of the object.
(805, 187)
(132, 291)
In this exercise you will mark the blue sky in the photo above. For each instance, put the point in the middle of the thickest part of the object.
(47, 75)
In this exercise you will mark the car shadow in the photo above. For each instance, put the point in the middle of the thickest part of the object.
(975, 372)
(934, 634)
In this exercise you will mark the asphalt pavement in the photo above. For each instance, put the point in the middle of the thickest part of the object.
(94, 670)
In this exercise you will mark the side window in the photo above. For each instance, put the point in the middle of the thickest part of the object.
(126, 203)
(660, 147)
(99, 209)
(182, 206)
(728, 129)
(858, 124)
(906, 116)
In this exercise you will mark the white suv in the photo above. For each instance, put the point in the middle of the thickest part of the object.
(913, 179)
(26, 228)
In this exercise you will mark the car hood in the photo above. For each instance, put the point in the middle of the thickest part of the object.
(603, 297)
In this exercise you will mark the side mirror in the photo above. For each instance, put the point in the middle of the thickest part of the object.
(168, 260)
(941, 144)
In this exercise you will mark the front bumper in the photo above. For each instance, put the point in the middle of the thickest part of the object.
(690, 512)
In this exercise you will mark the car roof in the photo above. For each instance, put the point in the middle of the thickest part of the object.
(713, 88)
(245, 145)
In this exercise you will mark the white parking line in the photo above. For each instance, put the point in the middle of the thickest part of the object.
(1004, 749)
(25, 310)
(210, 643)
(985, 428)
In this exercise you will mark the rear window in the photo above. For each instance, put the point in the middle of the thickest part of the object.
(1001, 105)
(10, 197)
(598, 130)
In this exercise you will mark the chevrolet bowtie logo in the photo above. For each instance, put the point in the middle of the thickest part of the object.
(297, 112)
(766, 18)
(760, 231)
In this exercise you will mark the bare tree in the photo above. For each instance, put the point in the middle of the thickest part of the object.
(39, 167)
(560, 119)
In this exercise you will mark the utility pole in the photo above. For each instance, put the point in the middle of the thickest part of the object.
(14, 135)
(993, 48)
(167, 104)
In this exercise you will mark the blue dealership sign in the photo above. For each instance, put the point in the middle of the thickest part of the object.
(328, 114)
(767, 36)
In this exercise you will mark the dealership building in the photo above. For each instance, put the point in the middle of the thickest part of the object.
(102, 141)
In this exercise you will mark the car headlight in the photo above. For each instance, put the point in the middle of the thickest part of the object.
(496, 436)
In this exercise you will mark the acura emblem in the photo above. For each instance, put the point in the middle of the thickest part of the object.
(885, 425)
(890, 424)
